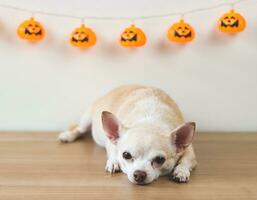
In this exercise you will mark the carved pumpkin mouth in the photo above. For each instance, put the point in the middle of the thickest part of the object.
(85, 39)
(179, 35)
(29, 32)
(229, 24)
(125, 37)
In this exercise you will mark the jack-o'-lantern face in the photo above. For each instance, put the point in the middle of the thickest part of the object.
(132, 37)
(181, 32)
(31, 30)
(231, 22)
(83, 37)
(129, 35)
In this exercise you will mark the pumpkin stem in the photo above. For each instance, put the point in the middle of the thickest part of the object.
(232, 11)
(181, 21)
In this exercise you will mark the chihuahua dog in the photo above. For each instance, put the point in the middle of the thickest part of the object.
(143, 132)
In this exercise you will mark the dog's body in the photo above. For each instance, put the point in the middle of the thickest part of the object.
(143, 132)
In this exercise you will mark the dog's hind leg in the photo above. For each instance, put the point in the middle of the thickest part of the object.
(76, 131)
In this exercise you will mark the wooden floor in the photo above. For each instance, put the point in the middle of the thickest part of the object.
(34, 166)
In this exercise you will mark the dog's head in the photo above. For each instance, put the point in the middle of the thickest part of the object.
(146, 152)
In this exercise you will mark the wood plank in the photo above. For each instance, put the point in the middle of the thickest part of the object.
(33, 165)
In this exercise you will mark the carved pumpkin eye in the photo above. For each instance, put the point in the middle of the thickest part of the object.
(24, 30)
(86, 39)
(231, 22)
(181, 32)
(132, 37)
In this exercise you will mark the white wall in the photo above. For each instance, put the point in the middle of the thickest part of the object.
(48, 85)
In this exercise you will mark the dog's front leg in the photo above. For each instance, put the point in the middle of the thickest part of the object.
(112, 164)
(186, 164)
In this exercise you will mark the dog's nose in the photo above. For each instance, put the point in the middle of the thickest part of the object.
(139, 176)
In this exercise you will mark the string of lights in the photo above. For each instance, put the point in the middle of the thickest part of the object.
(231, 4)
(132, 36)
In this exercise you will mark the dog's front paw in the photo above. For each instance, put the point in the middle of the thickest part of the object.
(112, 166)
(66, 136)
(181, 174)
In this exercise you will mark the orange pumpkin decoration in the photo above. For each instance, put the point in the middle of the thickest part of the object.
(132, 37)
(181, 32)
(231, 22)
(83, 37)
(31, 30)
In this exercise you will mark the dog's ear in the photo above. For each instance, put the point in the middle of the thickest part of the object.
(182, 136)
(111, 126)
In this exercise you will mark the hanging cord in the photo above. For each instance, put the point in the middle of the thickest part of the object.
(182, 14)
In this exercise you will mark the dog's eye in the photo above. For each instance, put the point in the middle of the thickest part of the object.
(126, 155)
(159, 160)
